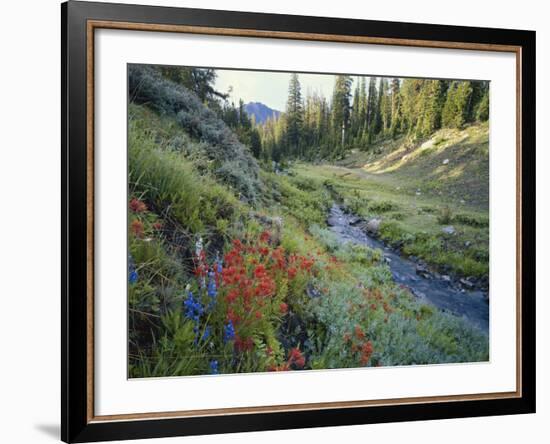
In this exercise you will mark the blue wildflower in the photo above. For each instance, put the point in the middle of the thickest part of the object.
(132, 277)
(228, 332)
(193, 308)
(214, 367)
(211, 289)
(206, 334)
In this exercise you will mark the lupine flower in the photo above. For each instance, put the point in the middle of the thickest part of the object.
(211, 288)
(214, 367)
(132, 277)
(193, 308)
(206, 334)
(228, 332)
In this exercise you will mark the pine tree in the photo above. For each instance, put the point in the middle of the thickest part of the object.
(482, 111)
(430, 107)
(395, 108)
(294, 115)
(372, 110)
(456, 108)
(356, 113)
(384, 106)
(341, 110)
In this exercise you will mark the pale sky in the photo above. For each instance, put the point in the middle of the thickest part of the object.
(270, 88)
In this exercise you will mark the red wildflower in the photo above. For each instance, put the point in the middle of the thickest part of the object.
(232, 316)
(366, 352)
(137, 228)
(260, 271)
(258, 314)
(307, 263)
(359, 332)
(281, 368)
(265, 236)
(243, 345)
(231, 296)
(266, 287)
(137, 206)
(283, 308)
(296, 358)
(157, 226)
(292, 272)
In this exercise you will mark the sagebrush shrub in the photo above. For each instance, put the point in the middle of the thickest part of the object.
(221, 145)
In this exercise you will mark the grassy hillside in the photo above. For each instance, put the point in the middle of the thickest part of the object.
(418, 191)
(452, 163)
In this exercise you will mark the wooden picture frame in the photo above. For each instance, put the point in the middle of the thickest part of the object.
(79, 22)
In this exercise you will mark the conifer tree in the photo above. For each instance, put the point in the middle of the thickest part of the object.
(456, 108)
(482, 111)
(356, 113)
(430, 107)
(384, 106)
(341, 110)
(395, 107)
(294, 116)
(372, 110)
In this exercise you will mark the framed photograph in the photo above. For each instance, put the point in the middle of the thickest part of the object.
(276, 221)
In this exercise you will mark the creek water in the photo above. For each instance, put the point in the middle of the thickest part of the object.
(435, 290)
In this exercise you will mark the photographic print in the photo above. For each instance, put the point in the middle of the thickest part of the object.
(283, 221)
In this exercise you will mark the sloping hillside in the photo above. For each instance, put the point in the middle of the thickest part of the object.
(232, 161)
(452, 163)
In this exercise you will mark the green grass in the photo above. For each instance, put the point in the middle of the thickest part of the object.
(412, 209)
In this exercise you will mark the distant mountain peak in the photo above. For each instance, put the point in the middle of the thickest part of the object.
(261, 112)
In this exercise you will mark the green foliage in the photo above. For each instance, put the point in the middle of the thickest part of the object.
(445, 216)
(383, 206)
(232, 161)
(305, 200)
(294, 115)
(171, 184)
(472, 221)
(482, 113)
(402, 331)
(455, 112)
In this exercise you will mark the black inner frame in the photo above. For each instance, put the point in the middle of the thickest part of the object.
(74, 423)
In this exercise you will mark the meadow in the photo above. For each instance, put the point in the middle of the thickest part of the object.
(232, 267)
